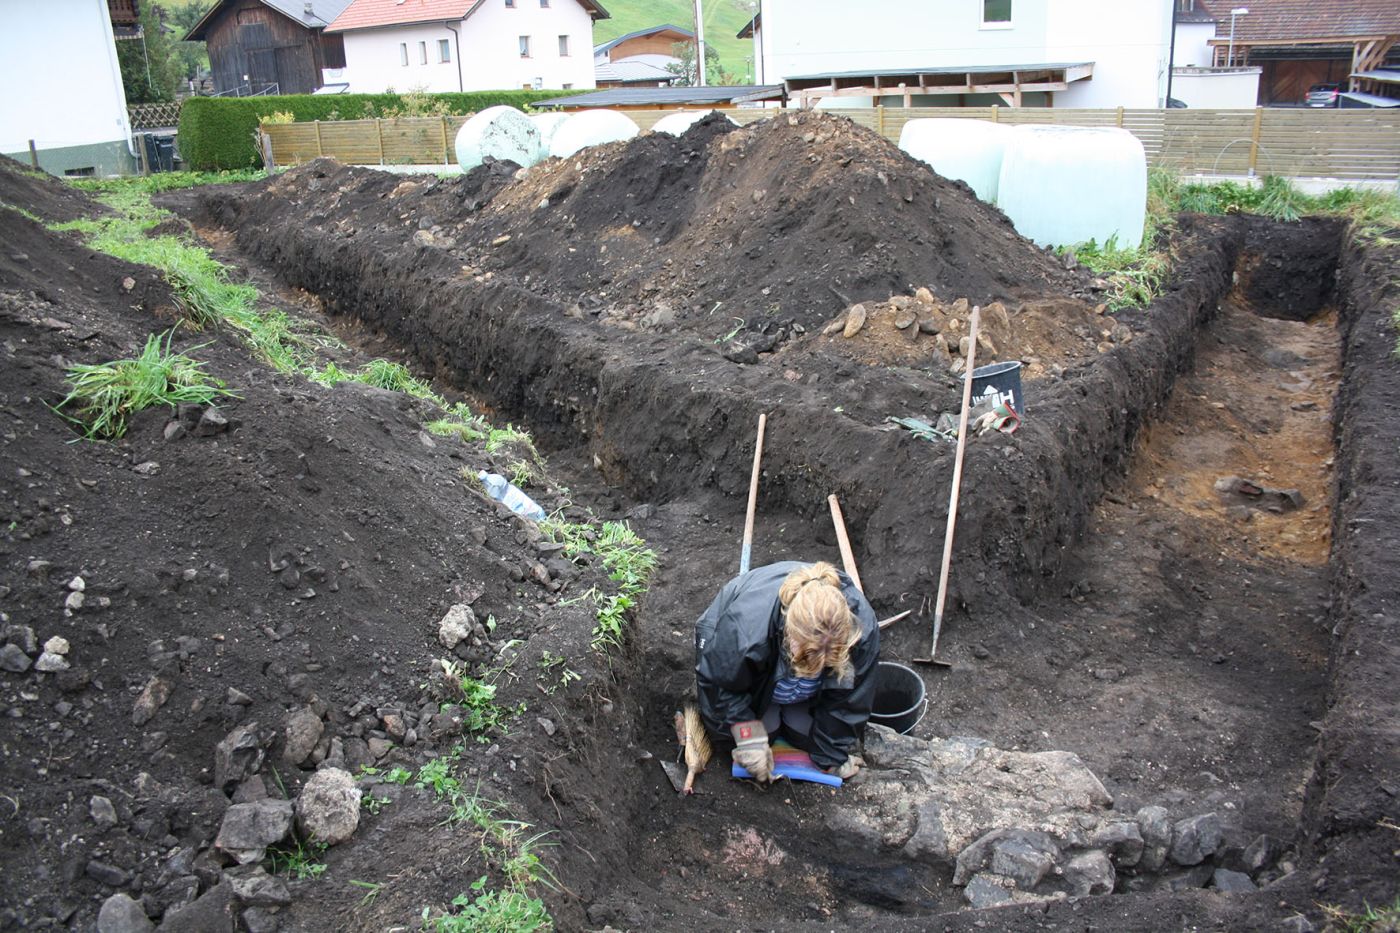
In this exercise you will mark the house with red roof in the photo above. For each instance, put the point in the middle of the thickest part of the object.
(467, 45)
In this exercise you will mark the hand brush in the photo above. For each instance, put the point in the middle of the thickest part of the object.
(694, 744)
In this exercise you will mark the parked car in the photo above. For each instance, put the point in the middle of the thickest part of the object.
(1323, 95)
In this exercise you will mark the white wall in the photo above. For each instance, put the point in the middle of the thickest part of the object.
(490, 51)
(1191, 48)
(1224, 88)
(1127, 40)
(58, 64)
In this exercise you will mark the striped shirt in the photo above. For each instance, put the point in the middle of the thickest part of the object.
(791, 689)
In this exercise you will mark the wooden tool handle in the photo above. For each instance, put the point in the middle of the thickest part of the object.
(957, 482)
(746, 552)
(848, 557)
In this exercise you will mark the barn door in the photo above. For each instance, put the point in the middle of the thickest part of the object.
(261, 58)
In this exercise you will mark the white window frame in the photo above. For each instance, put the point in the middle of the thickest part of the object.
(1007, 23)
(564, 46)
(403, 54)
(444, 51)
(524, 46)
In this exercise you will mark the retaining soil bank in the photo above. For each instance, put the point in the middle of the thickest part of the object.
(665, 415)
(1353, 801)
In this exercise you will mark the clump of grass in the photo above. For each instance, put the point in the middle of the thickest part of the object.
(164, 181)
(297, 860)
(497, 439)
(107, 394)
(1369, 920)
(491, 911)
(628, 562)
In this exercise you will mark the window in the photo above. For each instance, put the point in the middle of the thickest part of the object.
(568, 87)
(544, 4)
(510, 4)
(996, 13)
(563, 46)
(444, 51)
(403, 54)
(422, 53)
(524, 46)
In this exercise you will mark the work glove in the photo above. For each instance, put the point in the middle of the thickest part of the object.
(848, 768)
(751, 749)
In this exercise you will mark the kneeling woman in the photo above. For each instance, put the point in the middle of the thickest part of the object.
(788, 649)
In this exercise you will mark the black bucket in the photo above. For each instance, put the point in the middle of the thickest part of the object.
(1002, 383)
(900, 701)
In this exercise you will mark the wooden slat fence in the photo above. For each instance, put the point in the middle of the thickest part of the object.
(150, 116)
(1350, 144)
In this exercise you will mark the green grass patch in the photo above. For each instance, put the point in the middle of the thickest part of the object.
(1368, 920)
(626, 558)
(165, 181)
(297, 860)
(490, 911)
(105, 395)
(722, 24)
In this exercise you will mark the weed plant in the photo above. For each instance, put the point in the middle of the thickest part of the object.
(107, 394)
(1369, 920)
(490, 911)
(297, 860)
(628, 562)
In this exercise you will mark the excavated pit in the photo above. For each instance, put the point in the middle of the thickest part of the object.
(1171, 635)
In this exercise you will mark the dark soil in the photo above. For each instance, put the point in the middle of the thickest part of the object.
(1105, 599)
(21, 187)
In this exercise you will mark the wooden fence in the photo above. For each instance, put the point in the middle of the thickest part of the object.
(152, 116)
(1350, 144)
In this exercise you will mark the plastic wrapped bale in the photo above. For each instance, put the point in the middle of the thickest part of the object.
(1062, 185)
(965, 150)
(591, 128)
(499, 133)
(680, 121)
(547, 124)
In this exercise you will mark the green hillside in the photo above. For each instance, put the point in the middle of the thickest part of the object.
(723, 20)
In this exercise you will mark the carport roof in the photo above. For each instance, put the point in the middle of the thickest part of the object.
(660, 97)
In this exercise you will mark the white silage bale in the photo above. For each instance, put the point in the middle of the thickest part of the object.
(591, 128)
(966, 150)
(498, 133)
(547, 124)
(1063, 185)
(680, 121)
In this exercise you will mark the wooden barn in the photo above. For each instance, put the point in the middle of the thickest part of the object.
(270, 46)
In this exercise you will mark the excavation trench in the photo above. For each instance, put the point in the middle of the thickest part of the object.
(1171, 635)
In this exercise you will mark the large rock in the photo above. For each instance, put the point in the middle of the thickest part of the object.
(1232, 882)
(1022, 862)
(14, 660)
(1122, 840)
(240, 754)
(249, 828)
(1195, 839)
(1090, 873)
(985, 891)
(212, 912)
(328, 809)
(254, 887)
(302, 730)
(1012, 845)
(456, 625)
(121, 914)
(1155, 826)
(933, 798)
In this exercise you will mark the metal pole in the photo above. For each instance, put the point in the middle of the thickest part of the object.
(700, 41)
(1230, 58)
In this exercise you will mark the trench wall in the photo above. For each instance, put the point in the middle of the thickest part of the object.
(665, 416)
(1355, 789)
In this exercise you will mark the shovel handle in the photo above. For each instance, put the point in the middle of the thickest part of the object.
(848, 557)
(957, 484)
(746, 552)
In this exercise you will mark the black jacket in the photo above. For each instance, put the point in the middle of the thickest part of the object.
(738, 646)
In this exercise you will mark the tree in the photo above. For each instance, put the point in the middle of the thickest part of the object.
(193, 57)
(714, 72)
(149, 73)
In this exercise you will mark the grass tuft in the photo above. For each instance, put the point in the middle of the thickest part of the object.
(106, 394)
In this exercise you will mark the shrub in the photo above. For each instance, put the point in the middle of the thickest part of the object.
(219, 133)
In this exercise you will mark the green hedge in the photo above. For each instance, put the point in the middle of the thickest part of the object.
(220, 133)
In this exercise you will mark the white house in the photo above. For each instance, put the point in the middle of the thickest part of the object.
(1196, 81)
(466, 45)
(75, 112)
(1061, 53)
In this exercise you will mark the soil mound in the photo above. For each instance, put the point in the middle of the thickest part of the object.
(779, 225)
(43, 195)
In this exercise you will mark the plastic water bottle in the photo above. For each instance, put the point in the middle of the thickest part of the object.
(503, 490)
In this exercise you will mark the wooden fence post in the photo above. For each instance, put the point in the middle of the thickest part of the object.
(1120, 118)
(994, 114)
(33, 156)
(379, 128)
(446, 156)
(880, 119)
(320, 150)
(1254, 141)
(145, 157)
(269, 163)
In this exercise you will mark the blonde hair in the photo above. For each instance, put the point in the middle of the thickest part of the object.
(820, 630)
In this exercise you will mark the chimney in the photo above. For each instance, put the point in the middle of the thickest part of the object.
(307, 12)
